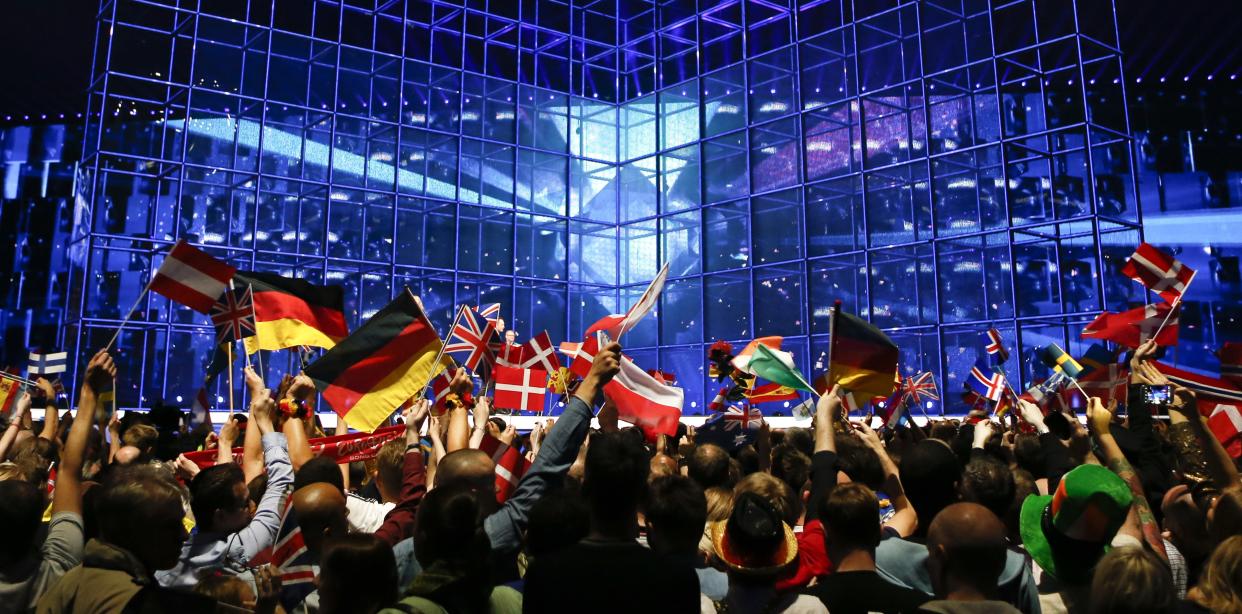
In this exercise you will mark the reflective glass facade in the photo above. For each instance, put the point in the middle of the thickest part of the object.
(938, 166)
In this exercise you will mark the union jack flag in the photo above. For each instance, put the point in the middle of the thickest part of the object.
(292, 560)
(995, 346)
(468, 341)
(491, 312)
(916, 389)
(233, 315)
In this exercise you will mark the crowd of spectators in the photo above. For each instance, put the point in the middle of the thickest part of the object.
(1038, 511)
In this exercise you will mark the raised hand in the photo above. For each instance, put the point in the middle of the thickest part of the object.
(1099, 417)
(100, 372)
(230, 431)
(253, 382)
(607, 364)
(461, 383)
(301, 388)
(983, 432)
(262, 405)
(508, 435)
(46, 390)
(414, 416)
(1032, 415)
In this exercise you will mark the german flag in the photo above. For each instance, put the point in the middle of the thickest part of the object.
(863, 360)
(382, 364)
(291, 312)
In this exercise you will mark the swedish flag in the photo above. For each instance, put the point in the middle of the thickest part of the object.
(1060, 361)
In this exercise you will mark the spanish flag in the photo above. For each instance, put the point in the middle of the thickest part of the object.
(862, 359)
(370, 373)
(291, 312)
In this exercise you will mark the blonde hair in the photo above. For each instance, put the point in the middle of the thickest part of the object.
(776, 492)
(1131, 579)
(1220, 584)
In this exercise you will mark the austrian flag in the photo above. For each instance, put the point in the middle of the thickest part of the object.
(191, 277)
(644, 401)
(1158, 271)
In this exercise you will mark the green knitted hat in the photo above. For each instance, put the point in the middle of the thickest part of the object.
(1066, 533)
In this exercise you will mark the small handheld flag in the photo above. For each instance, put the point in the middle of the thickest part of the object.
(1053, 356)
(777, 366)
(48, 364)
(995, 346)
(1159, 272)
(233, 315)
(986, 383)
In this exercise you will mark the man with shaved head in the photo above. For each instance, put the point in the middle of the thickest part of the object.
(559, 449)
(320, 509)
(965, 557)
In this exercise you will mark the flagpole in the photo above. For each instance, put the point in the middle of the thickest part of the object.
(229, 356)
(17, 378)
(128, 315)
(432, 374)
(1177, 301)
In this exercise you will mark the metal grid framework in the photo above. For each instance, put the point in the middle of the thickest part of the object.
(940, 166)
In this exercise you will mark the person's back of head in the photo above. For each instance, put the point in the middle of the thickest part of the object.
(1131, 580)
(142, 436)
(851, 517)
(390, 469)
(676, 514)
(988, 482)
(357, 573)
(791, 466)
(859, 462)
(615, 478)
(801, 440)
(321, 514)
(219, 498)
(709, 466)
(20, 514)
(139, 509)
(1220, 584)
(929, 474)
(779, 494)
(449, 530)
(557, 520)
(1029, 454)
(473, 467)
(1023, 487)
(316, 470)
(966, 550)
(1225, 514)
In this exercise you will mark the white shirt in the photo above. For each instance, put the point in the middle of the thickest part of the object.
(365, 515)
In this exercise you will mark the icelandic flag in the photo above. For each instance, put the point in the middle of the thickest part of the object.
(995, 346)
(986, 383)
(48, 364)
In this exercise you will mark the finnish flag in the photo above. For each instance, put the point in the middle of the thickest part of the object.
(48, 364)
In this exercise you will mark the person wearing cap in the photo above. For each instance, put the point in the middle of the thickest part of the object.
(851, 517)
(755, 545)
(1067, 532)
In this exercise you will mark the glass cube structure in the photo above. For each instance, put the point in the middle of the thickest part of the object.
(940, 167)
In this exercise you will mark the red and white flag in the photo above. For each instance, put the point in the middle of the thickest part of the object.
(440, 390)
(518, 388)
(509, 354)
(1109, 383)
(200, 411)
(489, 312)
(585, 356)
(1226, 424)
(510, 468)
(468, 341)
(539, 353)
(1158, 271)
(192, 277)
(721, 401)
(644, 401)
(616, 325)
(1134, 327)
(1230, 356)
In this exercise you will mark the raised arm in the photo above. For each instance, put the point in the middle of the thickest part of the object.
(228, 436)
(458, 427)
(68, 494)
(294, 428)
(20, 409)
(482, 411)
(824, 460)
(51, 413)
(261, 531)
(1056, 455)
(1220, 466)
(399, 523)
(904, 519)
(1101, 421)
(557, 452)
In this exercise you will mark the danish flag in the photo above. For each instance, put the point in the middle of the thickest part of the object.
(1226, 424)
(518, 388)
(1158, 271)
(538, 353)
(468, 341)
(585, 356)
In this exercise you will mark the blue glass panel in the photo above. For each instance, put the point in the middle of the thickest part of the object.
(542, 247)
(726, 306)
(724, 101)
(687, 364)
(725, 229)
(775, 155)
(681, 311)
(680, 243)
(780, 300)
(840, 278)
(679, 180)
(597, 246)
(726, 174)
(777, 226)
